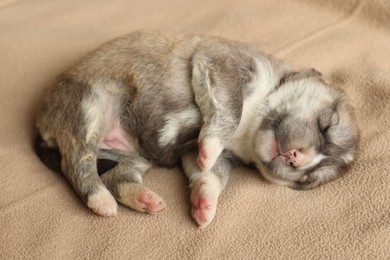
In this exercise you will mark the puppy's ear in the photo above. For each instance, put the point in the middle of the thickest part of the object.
(287, 76)
(309, 73)
(301, 74)
(312, 72)
(343, 131)
(327, 118)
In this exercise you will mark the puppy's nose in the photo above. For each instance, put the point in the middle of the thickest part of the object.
(294, 157)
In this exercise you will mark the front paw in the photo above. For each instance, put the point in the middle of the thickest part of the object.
(209, 150)
(204, 198)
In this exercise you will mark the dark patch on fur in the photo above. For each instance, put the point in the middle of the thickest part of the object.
(51, 157)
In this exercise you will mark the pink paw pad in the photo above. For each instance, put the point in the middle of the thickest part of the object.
(150, 203)
(201, 205)
(209, 151)
(140, 198)
(204, 199)
(202, 151)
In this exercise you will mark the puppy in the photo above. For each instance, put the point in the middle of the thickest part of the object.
(152, 99)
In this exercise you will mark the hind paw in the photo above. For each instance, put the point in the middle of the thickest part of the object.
(141, 198)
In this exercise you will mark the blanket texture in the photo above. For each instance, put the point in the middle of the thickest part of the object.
(42, 218)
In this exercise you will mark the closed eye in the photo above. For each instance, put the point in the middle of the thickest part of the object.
(323, 128)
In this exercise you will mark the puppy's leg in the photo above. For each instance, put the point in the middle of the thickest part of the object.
(219, 97)
(205, 187)
(79, 166)
(78, 117)
(125, 183)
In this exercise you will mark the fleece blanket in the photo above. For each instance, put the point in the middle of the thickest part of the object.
(42, 218)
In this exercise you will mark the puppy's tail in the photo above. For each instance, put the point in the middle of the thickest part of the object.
(51, 157)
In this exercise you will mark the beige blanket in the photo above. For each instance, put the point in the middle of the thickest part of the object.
(42, 218)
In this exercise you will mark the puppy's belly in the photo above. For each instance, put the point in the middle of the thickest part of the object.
(117, 139)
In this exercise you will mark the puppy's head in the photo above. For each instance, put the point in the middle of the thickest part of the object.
(308, 134)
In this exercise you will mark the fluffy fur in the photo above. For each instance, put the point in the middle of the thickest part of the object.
(151, 99)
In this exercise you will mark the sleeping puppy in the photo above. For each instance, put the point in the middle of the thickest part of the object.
(151, 99)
